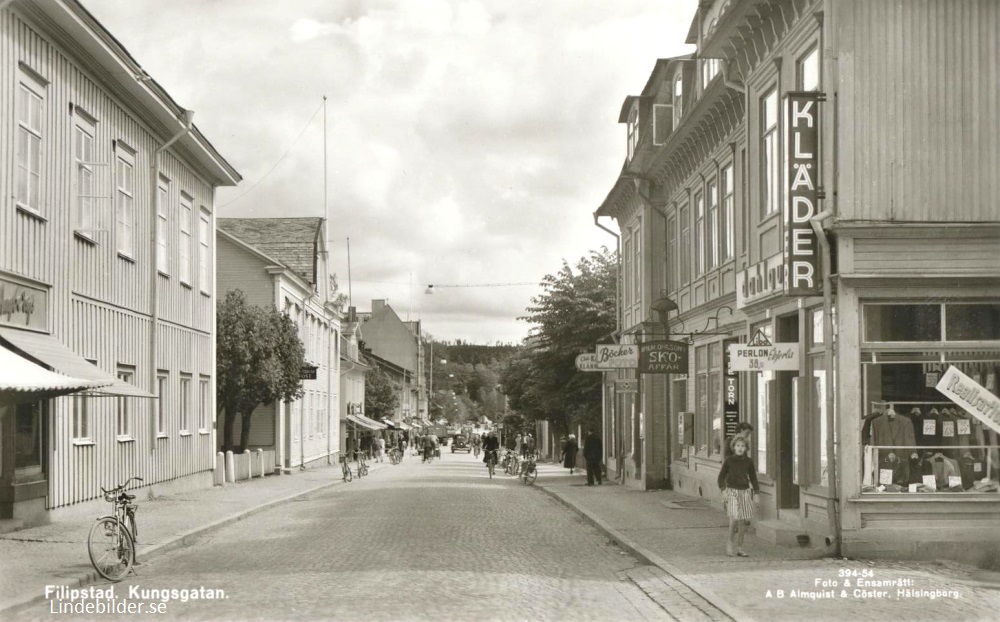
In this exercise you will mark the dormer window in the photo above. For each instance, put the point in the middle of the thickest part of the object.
(633, 130)
(709, 69)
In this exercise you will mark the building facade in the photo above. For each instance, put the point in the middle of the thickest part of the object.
(107, 266)
(799, 126)
(281, 263)
(399, 344)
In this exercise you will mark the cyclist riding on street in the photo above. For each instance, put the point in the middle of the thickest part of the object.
(491, 444)
(477, 444)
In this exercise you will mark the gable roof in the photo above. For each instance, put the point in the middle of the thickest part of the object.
(292, 241)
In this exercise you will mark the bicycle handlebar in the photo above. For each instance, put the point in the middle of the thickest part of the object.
(121, 487)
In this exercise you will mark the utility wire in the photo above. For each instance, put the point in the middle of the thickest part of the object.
(280, 160)
(481, 285)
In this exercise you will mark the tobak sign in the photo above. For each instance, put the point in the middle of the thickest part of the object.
(974, 399)
(586, 362)
(802, 175)
(617, 356)
(663, 357)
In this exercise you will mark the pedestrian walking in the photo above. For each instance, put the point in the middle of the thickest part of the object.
(569, 453)
(518, 444)
(529, 446)
(743, 429)
(738, 482)
(592, 452)
(380, 449)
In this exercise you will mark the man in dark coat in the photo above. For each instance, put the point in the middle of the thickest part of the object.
(592, 451)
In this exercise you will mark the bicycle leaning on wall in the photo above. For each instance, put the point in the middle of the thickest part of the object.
(111, 543)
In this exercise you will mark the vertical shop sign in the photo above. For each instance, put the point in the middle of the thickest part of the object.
(730, 395)
(802, 177)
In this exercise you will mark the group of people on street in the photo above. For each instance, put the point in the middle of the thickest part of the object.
(524, 446)
(593, 450)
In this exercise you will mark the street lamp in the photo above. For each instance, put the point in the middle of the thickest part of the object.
(663, 306)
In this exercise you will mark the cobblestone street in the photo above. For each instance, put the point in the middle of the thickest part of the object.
(421, 542)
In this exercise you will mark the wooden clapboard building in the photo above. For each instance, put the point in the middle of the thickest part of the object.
(106, 265)
(866, 127)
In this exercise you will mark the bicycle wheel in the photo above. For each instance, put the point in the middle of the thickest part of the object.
(348, 476)
(529, 474)
(131, 526)
(111, 549)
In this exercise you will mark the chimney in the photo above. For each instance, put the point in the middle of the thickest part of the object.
(378, 305)
(352, 314)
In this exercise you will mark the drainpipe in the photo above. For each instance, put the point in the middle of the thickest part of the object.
(832, 509)
(187, 117)
(618, 316)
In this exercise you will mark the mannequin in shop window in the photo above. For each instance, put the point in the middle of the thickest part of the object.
(895, 434)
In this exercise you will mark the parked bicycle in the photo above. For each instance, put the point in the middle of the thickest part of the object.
(362, 465)
(111, 542)
(510, 463)
(346, 468)
(395, 456)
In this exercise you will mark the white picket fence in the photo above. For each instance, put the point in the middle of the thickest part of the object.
(231, 468)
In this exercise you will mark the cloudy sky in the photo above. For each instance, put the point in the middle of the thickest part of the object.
(469, 140)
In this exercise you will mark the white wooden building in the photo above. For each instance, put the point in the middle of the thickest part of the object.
(106, 265)
(281, 263)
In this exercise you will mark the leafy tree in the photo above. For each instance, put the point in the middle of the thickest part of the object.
(575, 311)
(381, 395)
(259, 358)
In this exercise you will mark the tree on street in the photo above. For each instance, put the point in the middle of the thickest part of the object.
(575, 311)
(259, 359)
(381, 395)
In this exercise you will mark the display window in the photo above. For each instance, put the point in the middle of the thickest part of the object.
(761, 389)
(915, 439)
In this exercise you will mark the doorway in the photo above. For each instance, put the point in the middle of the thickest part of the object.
(786, 331)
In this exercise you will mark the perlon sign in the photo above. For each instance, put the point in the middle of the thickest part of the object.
(663, 357)
(802, 177)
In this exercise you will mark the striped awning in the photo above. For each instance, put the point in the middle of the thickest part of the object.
(20, 375)
(51, 352)
(365, 422)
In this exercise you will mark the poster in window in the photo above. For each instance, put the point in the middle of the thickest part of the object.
(931, 379)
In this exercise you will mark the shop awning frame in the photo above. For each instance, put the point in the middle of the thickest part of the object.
(43, 349)
(23, 380)
(365, 422)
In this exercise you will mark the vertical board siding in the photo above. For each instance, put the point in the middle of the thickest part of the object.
(921, 82)
(99, 303)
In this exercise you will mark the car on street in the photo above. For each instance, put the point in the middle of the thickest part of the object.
(460, 443)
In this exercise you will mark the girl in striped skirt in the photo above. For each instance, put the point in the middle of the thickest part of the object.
(738, 482)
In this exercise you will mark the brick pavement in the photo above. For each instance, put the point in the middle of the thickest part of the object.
(688, 535)
(57, 553)
(418, 542)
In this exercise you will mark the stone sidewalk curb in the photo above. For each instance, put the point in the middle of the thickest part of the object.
(651, 558)
(182, 539)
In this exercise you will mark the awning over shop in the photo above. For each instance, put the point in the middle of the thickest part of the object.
(21, 376)
(53, 353)
(390, 424)
(365, 422)
(403, 426)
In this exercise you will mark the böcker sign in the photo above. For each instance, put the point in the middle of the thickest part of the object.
(617, 356)
(663, 357)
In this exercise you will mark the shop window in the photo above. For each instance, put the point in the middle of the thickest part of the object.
(717, 433)
(678, 406)
(761, 382)
(972, 322)
(28, 438)
(914, 439)
(902, 322)
(708, 399)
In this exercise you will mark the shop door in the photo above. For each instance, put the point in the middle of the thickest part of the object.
(784, 387)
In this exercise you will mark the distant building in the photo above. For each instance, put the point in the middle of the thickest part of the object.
(281, 263)
(107, 269)
(353, 370)
(399, 343)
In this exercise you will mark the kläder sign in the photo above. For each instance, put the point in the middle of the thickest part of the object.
(617, 356)
(975, 399)
(802, 177)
